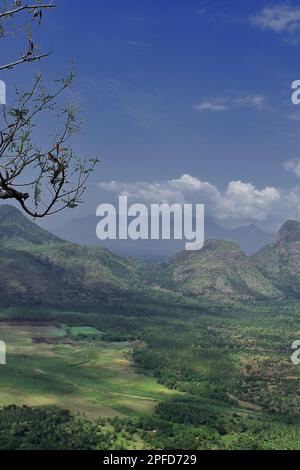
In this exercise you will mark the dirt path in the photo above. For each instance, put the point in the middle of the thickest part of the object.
(245, 404)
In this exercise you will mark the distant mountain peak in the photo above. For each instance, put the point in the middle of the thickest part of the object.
(289, 232)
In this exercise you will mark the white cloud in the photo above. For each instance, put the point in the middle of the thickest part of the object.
(293, 166)
(253, 101)
(294, 117)
(212, 105)
(226, 103)
(279, 18)
(136, 44)
(239, 204)
(201, 12)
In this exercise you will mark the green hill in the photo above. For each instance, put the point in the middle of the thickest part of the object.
(220, 272)
(280, 262)
(38, 267)
(16, 229)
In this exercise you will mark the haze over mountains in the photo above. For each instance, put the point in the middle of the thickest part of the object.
(40, 268)
(83, 231)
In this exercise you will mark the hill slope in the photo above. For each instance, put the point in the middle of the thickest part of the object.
(280, 262)
(220, 272)
(38, 267)
(15, 228)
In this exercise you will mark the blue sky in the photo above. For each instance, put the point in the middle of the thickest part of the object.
(185, 88)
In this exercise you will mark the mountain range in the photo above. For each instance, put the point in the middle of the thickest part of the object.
(38, 267)
(83, 232)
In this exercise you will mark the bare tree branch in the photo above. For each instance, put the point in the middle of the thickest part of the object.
(34, 11)
(14, 11)
(22, 60)
(43, 179)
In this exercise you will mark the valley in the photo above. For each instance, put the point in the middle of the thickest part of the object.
(202, 377)
(194, 353)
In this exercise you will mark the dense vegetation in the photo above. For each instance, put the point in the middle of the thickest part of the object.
(231, 364)
(223, 372)
(49, 429)
(42, 269)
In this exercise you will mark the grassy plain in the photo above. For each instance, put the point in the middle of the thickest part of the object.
(202, 376)
(45, 366)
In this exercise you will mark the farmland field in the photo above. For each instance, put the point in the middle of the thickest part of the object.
(194, 376)
(46, 366)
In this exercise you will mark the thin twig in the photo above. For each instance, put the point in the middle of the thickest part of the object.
(23, 60)
(25, 7)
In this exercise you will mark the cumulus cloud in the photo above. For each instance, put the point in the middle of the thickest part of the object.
(278, 18)
(293, 166)
(240, 203)
(225, 103)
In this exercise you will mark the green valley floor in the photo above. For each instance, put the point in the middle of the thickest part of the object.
(192, 376)
(50, 365)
